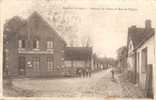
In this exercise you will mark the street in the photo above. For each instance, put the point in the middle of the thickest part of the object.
(100, 84)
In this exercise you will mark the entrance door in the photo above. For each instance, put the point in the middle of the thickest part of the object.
(22, 63)
(143, 68)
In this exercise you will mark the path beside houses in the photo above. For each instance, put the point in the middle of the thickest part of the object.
(99, 85)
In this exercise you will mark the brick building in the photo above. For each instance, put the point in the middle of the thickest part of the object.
(32, 48)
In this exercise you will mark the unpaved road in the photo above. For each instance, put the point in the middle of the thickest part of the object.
(98, 85)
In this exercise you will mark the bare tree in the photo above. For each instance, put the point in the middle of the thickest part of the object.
(65, 22)
(86, 41)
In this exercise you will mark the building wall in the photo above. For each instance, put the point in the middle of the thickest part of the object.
(41, 31)
(154, 67)
(149, 44)
(71, 66)
(77, 63)
(131, 62)
(131, 56)
(131, 68)
(11, 56)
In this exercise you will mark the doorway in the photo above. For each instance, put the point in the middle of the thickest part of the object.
(143, 67)
(22, 63)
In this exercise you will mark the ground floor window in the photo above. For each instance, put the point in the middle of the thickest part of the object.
(78, 63)
(36, 64)
(68, 63)
(87, 64)
(50, 64)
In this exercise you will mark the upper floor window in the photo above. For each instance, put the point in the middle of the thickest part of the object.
(36, 44)
(21, 43)
(49, 44)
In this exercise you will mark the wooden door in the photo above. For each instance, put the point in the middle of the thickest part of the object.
(143, 68)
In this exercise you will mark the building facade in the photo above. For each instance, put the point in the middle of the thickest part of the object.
(78, 58)
(141, 56)
(34, 49)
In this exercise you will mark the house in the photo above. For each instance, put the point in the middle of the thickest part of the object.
(76, 58)
(141, 56)
(34, 49)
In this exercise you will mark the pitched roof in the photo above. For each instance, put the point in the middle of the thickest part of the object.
(139, 35)
(78, 53)
(37, 17)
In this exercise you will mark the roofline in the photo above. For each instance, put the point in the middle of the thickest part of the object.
(55, 32)
(143, 41)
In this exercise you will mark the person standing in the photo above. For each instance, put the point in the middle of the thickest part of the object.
(112, 71)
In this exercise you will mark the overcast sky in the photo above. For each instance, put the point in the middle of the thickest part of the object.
(107, 28)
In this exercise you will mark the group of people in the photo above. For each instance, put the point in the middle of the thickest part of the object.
(84, 72)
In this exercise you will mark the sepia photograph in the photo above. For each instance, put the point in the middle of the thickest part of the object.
(76, 49)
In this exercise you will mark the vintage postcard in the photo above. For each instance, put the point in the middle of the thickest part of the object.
(72, 49)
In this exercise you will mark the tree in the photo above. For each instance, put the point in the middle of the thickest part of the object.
(86, 41)
(65, 22)
(122, 57)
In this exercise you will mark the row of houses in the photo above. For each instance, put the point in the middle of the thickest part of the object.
(33, 48)
(140, 58)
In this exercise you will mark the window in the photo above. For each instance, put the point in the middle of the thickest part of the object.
(21, 43)
(35, 44)
(138, 62)
(68, 63)
(21, 62)
(50, 64)
(49, 44)
(144, 60)
(36, 64)
(78, 63)
(130, 46)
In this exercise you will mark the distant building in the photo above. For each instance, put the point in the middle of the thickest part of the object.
(34, 49)
(141, 55)
(77, 58)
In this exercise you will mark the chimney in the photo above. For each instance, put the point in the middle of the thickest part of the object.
(133, 26)
(148, 24)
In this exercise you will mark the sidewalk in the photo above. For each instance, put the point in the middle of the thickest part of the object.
(131, 91)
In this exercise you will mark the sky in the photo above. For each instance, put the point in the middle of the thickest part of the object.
(105, 24)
